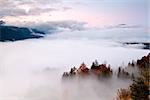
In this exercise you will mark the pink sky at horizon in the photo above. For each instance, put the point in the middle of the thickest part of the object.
(95, 13)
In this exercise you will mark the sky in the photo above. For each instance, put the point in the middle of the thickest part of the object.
(95, 13)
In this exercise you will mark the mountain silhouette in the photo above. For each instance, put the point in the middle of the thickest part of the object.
(13, 33)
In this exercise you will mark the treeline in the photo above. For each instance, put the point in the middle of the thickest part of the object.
(139, 89)
(98, 70)
(138, 71)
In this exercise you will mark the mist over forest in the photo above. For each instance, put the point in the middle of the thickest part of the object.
(74, 50)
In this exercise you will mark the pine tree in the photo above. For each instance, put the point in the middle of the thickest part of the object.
(96, 63)
(139, 90)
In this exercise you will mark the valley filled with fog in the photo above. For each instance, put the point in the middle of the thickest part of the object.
(32, 69)
(74, 49)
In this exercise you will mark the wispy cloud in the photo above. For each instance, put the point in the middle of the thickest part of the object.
(29, 7)
(122, 26)
(95, 12)
(54, 26)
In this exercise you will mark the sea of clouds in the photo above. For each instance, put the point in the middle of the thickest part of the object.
(32, 69)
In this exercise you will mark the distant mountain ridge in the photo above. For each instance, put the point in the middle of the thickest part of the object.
(13, 33)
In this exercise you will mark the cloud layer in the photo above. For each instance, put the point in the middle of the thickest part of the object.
(29, 7)
(32, 69)
(61, 25)
(94, 12)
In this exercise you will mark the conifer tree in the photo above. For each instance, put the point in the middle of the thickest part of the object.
(139, 90)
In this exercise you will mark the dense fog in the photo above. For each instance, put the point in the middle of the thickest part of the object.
(32, 69)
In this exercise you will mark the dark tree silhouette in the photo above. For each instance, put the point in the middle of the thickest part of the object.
(139, 90)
